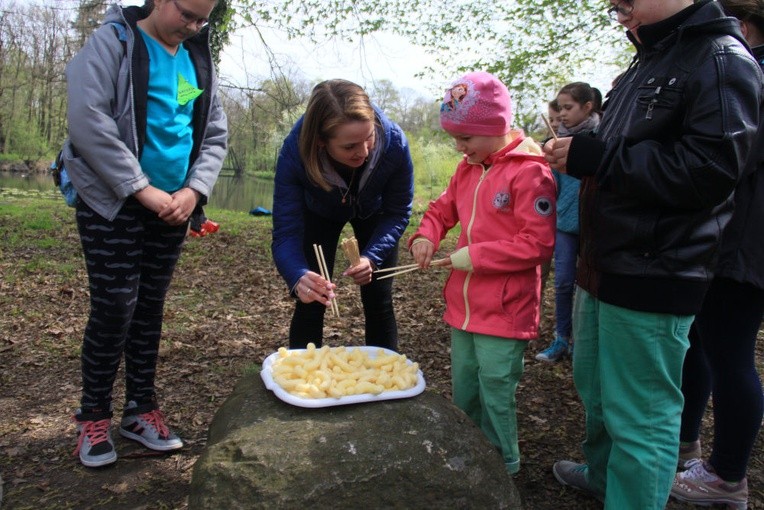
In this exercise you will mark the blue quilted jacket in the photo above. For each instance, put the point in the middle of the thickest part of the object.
(386, 188)
(567, 202)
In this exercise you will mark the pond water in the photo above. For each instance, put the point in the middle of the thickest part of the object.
(232, 193)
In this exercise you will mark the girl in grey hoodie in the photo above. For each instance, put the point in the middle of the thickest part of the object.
(147, 139)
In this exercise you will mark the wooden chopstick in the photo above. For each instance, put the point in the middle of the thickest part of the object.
(323, 269)
(397, 268)
(549, 125)
(416, 266)
(335, 307)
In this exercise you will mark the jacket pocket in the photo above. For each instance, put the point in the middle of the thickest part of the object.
(659, 93)
(511, 293)
(82, 176)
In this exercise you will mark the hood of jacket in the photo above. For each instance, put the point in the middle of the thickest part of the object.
(520, 146)
(697, 19)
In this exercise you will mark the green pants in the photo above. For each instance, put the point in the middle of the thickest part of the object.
(485, 371)
(627, 366)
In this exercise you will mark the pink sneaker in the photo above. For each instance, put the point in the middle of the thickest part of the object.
(687, 453)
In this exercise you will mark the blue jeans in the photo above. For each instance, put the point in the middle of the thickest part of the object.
(565, 253)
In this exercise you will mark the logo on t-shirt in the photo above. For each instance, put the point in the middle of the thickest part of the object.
(186, 91)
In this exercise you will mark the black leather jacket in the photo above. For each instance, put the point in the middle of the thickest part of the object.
(668, 154)
(742, 253)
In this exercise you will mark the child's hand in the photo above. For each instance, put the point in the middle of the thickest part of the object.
(311, 287)
(180, 208)
(361, 272)
(153, 199)
(422, 250)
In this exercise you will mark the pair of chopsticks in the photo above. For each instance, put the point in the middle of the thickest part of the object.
(350, 248)
(395, 271)
(323, 269)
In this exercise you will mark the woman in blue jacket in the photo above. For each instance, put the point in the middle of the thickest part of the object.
(344, 161)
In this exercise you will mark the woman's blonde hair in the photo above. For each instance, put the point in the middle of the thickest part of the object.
(331, 104)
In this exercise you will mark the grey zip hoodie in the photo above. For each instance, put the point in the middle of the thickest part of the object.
(105, 134)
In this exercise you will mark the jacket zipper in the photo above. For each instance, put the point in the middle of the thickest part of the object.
(469, 242)
(129, 49)
(653, 102)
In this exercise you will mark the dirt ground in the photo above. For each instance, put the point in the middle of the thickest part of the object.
(227, 310)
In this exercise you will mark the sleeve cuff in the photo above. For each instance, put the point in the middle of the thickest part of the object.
(584, 156)
(418, 240)
(461, 259)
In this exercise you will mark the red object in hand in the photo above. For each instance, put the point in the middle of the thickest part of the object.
(208, 227)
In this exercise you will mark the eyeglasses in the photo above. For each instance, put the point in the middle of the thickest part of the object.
(190, 18)
(617, 9)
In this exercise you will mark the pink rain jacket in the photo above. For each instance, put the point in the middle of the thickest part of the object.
(506, 208)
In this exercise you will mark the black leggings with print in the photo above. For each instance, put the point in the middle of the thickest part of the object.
(130, 262)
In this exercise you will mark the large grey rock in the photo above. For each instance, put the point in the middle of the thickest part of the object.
(420, 452)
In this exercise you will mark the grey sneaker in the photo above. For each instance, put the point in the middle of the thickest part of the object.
(148, 428)
(688, 452)
(94, 445)
(575, 475)
(700, 485)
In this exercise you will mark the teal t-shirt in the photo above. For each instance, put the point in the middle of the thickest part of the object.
(169, 116)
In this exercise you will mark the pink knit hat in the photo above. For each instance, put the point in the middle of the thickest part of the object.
(477, 104)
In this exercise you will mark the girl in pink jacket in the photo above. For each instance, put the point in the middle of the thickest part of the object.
(503, 195)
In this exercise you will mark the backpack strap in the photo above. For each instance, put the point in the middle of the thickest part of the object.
(121, 31)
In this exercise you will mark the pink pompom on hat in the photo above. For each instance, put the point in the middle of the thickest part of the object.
(477, 104)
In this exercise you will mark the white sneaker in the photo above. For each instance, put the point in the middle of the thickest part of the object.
(700, 485)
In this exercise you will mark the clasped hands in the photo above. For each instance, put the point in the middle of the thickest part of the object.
(174, 209)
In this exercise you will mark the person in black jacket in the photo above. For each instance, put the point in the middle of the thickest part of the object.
(656, 193)
(721, 358)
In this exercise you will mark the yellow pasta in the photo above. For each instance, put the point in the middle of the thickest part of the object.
(338, 372)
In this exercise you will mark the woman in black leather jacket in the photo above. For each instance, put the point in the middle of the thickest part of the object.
(721, 358)
(655, 195)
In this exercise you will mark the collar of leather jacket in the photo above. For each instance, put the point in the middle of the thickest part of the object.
(656, 32)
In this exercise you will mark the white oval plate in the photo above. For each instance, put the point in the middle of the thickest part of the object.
(267, 375)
